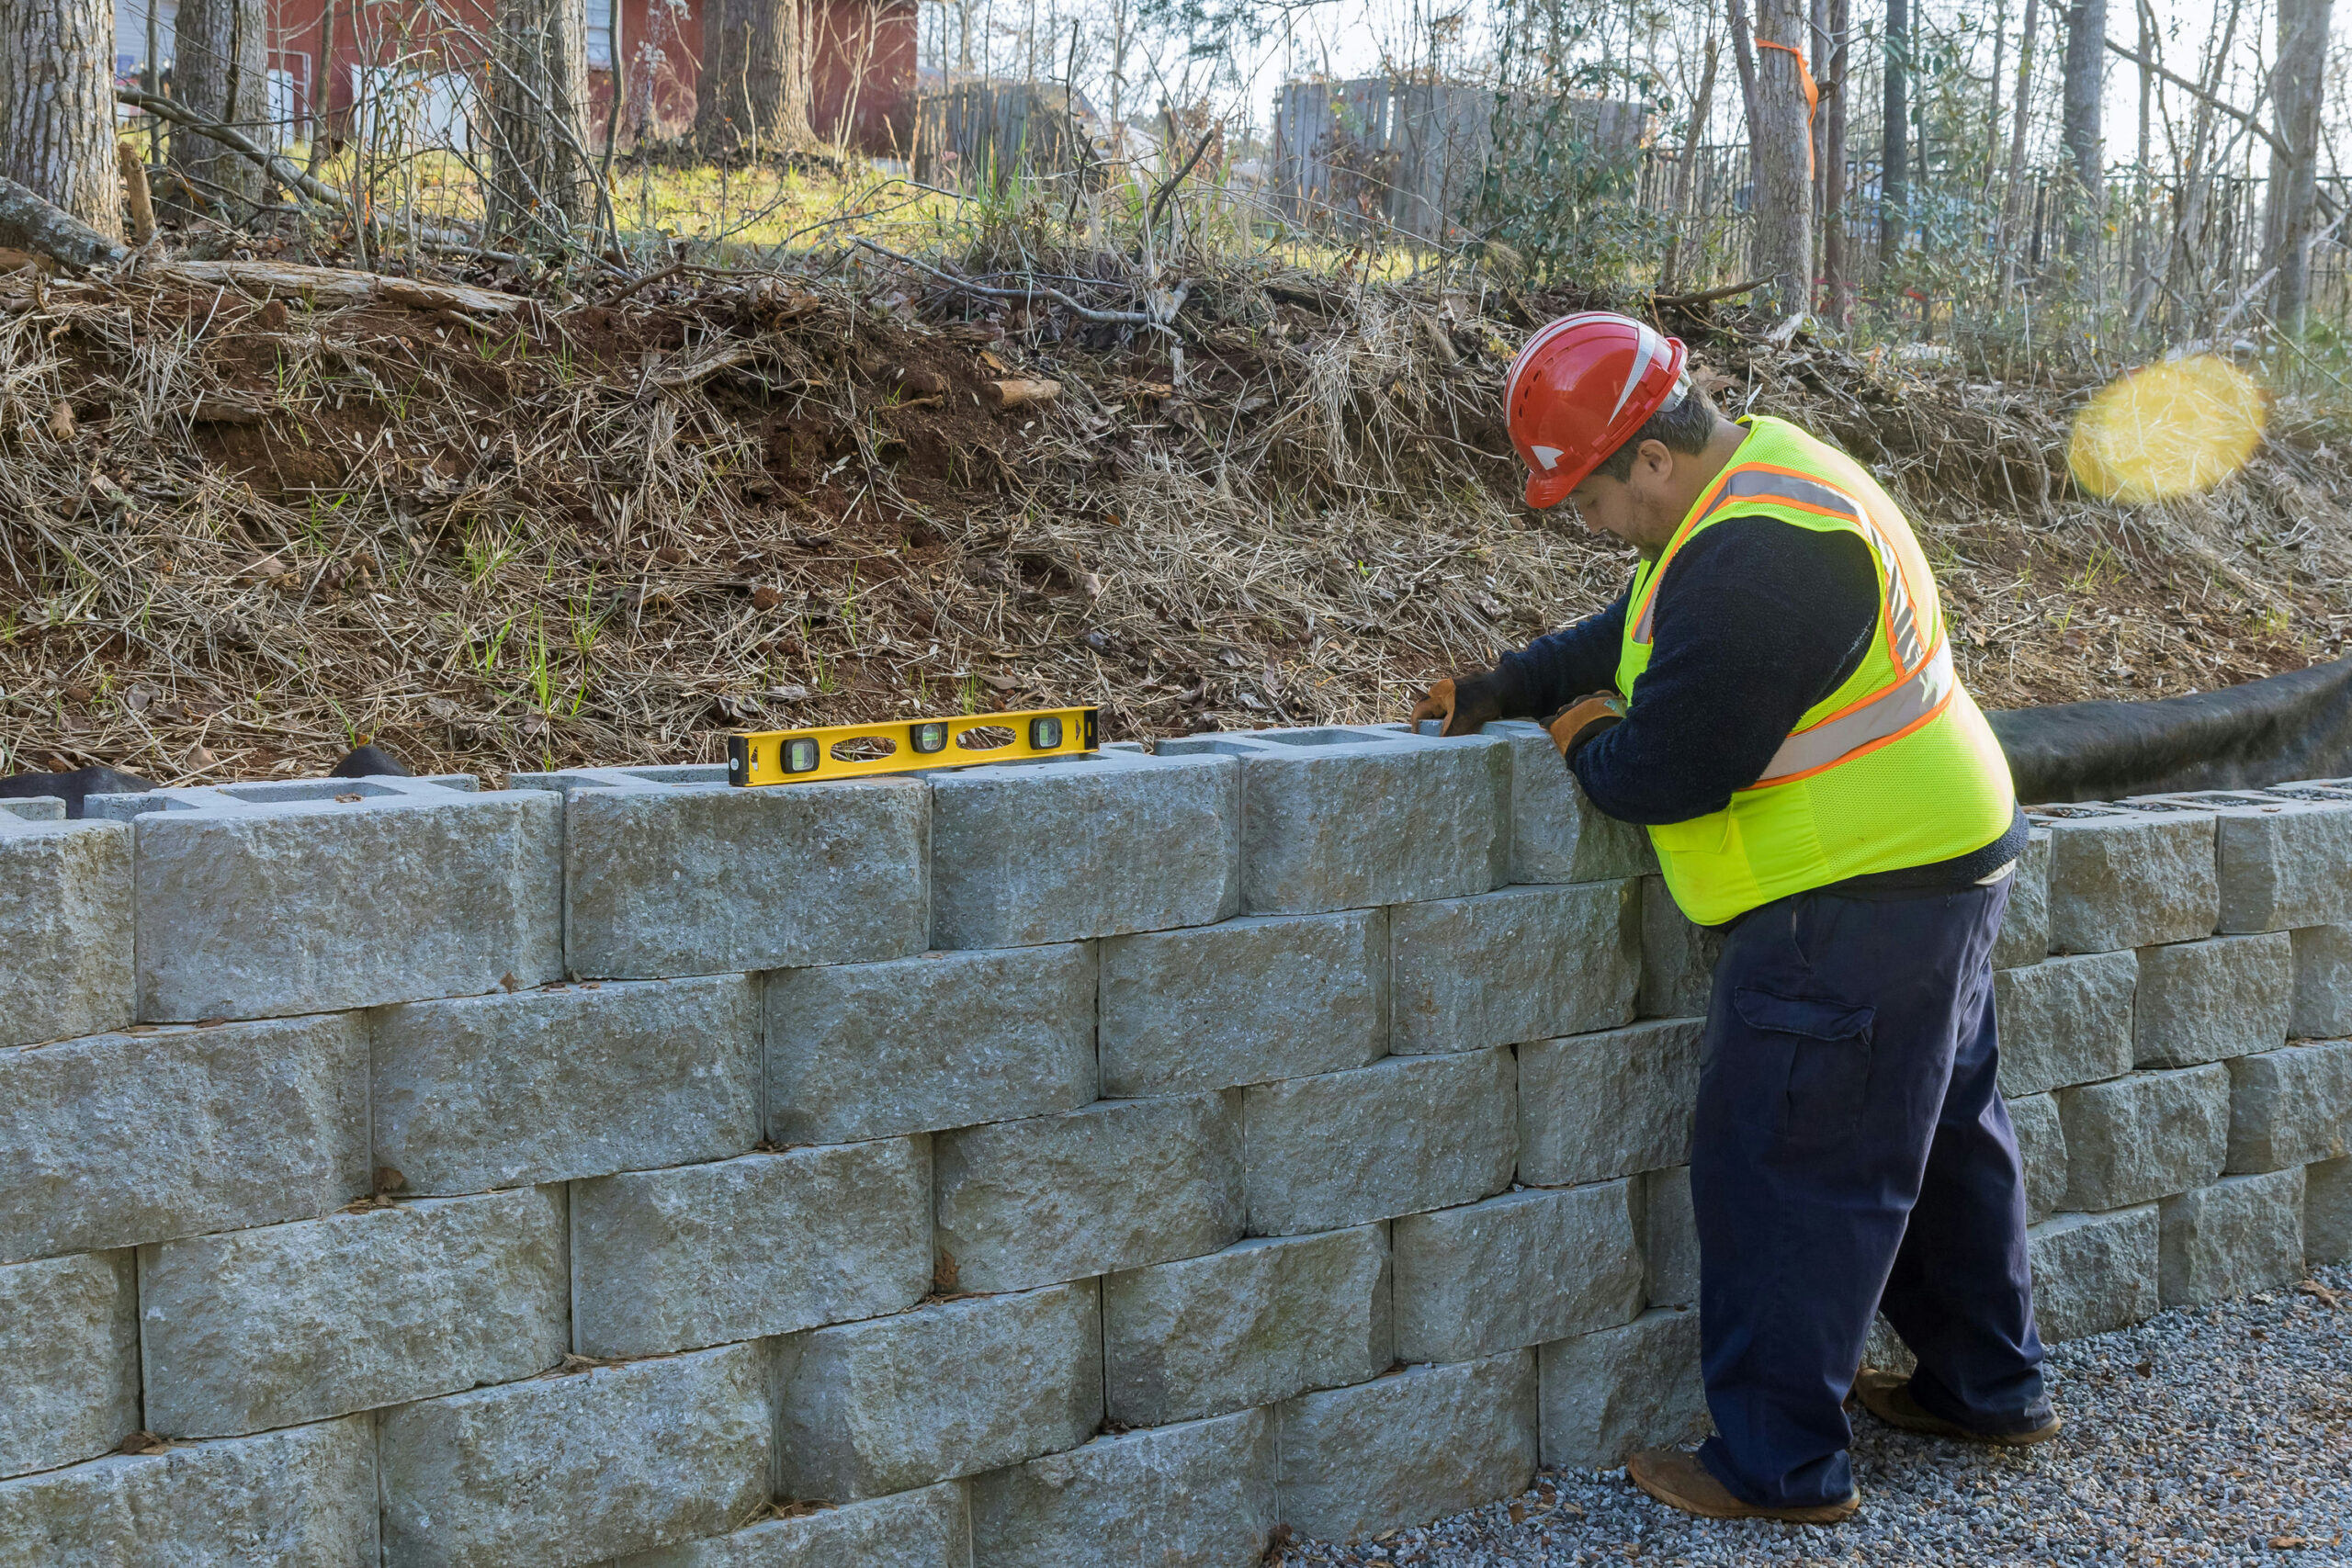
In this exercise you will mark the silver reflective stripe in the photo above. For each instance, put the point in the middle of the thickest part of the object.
(1892, 712)
(1748, 483)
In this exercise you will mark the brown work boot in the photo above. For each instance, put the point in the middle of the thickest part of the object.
(1678, 1480)
(1888, 1395)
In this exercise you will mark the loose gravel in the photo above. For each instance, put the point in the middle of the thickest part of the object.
(2217, 1437)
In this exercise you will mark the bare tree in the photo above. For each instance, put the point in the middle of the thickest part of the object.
(2297, 86)
(2013, 191)
(1836, 264)
(220, 56)
(2079, 118)
(755, 87)
(1783, 205)
(540, 176)
(57, 105)
(1894, 142)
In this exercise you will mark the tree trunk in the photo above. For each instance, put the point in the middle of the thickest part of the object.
(1783, 202)
(57, 107)
(755, 89)
(219, 55)
(1693, 141)
(541, 177)
(1895, 147)
(1836, 264)
(2297, 86)
(2013, 191)
(1743, 55)
(2086, 63)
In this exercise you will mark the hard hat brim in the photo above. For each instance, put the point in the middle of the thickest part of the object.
(1547, 490)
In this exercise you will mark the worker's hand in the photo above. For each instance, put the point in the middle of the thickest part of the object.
(1585, 719)
(1464, 702)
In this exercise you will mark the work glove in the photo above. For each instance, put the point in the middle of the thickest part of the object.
(1464, 702)
(1584, 721)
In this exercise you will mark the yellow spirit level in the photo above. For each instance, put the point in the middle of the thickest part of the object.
(860, 751)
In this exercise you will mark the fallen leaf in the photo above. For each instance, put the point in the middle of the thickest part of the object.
(1518, 1513)
(60, 420)
(1000, 683)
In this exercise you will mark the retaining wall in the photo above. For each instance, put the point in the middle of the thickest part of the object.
(1087, 1161)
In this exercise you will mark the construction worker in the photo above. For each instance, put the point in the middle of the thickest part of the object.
(1774, 696)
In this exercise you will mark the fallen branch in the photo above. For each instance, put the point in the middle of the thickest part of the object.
(50, 230)
(1020, 390)
(285, 171)
(1030, 291)
(293, 280)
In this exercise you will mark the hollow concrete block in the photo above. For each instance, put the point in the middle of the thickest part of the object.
(740, 1248)
(1516, 1270)
(117, 1139)
(2145, 1136)
(917, 1044)
(1199, 1493)
(2064, 1021)
(69, 1359)
(2206, 1001)
(2327, 1211)
(1669, 1238)
(2025, 923)
(2135, 878)
(2291, 1107)
(246, 1330)
(1678, 957)
(578, 1468)
(33, 808)
(1404, 1134)
(2094, 1272)
(1117, 1185)
(2278, 860)
(2322, 1004)
(1244, 1001)
(66, 928)
(1598, 1106)
(926, 1528)
(1518, 965)
(1556, 832)
(1409, 1448)
(2240, 1234)
(501, 1091)
(1610, 1392)
(1258, 1321)
(2041, 1150)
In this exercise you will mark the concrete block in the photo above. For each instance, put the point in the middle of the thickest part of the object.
(575, 1469)
(2205, 1001)
(767, 1243)
(1245, 1001)
(945, 1391)
(2064, 1021)
(1323, 813)
(2149, 1135)
(1261, 1321)
(663, 880)
(503, 1090)
(2279, 859)
(116, 1139)
(916, 1044)
(2291, 1107)
(65, 930)
(1199, 1494)
(2327, 1213)
(1409, 1134)
(2121, 879)
(1060, 852)
(69, 1359)
(1516, 1270)
(2241, 1235)
(1117, 1185)
(1556, 832)
(1678, 958)
(2025, 924)
(2322, 1004)
(1669, 1238)
(33, 808)
(1605, 1105)
(2041, 1149)
(1409, 1448)
(1522, 963)
(303, 1498)
(928, 1529)
(269, 1327)
(1607, 1393)
(2094, 1272)
(264, 908)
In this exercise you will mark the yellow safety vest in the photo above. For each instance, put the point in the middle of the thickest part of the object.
(1896, 768)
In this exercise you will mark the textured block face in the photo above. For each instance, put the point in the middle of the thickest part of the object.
(304, 1497)
(2064, 1021)
(2323, 1007)
(1516, 1270)
(1606, 1105)
(711, 880)
(2280, 862)
(942, 1391)
(1678, 958)
(2206, 1001)
(544, 1086)
(913, 1529)
(1556, 832)
(117, 1139)
(2291, 1107)
(2241, 1235)
(267, 911)
(943, 1040)
(1402, 1135)
(69, 1359)
(1409, 1448)
(1670, 1239)
(1202, 1493)
(2327, 1213)
(1523, 963)
(65, 937)
(2134, 1139)
(1118, 1185)
(1258, 1321)
(766, 1244)
(2025, 924)
(1061, 851)
(258, 1328)
(2119, 880)
(1606, 1395)
(1245, 1001)
(575, 1469)
(2041, 1149)
(2094, 1272)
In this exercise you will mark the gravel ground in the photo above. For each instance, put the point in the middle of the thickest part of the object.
(2213, 1437)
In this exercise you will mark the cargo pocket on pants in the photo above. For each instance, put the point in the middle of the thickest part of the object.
(1829, 1061)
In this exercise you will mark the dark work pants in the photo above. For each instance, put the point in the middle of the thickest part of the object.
(1852, 1153)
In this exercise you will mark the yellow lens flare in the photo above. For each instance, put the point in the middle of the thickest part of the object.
(2171, 429)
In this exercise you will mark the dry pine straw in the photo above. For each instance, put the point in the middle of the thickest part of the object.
(611, 535)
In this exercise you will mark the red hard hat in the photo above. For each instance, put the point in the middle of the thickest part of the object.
(1582, 386)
